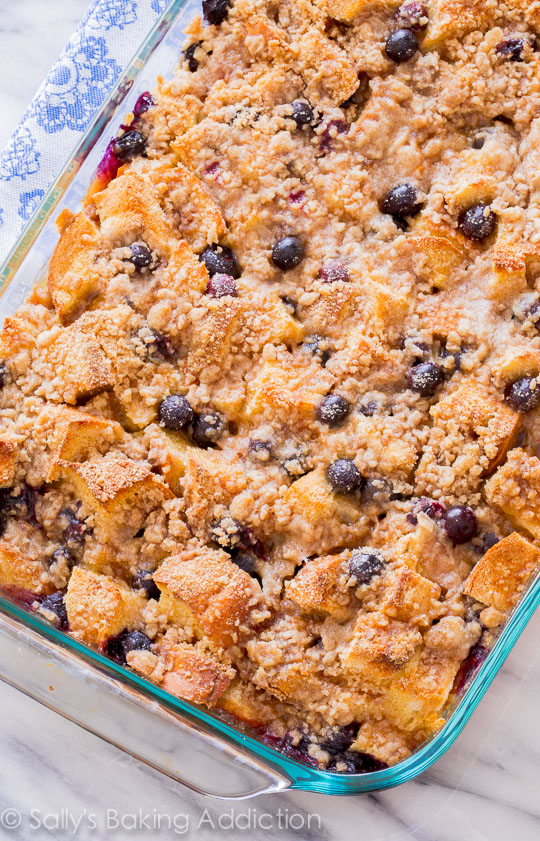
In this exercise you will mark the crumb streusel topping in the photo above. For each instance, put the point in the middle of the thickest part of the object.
(270, 436)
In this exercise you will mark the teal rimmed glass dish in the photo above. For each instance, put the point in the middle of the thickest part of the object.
(188, 743)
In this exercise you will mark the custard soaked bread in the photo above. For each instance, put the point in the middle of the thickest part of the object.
(271, 435)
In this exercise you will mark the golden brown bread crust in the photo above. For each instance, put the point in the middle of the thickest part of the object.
(499, 578)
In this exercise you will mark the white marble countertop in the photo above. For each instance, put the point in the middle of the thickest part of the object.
(486, 788)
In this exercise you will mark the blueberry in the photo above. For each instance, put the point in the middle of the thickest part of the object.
(22, 506)
(523, 394)
(219, 259)
(4, 374)
(511, 49)
(333, 271)
(287, 253)
(344, 476)
(302, 112)
(207, 428)
(401, 45)
(365, 564)
(189, 55)
(340, 739)
(164, 346)
(431, 507)
(215, 11)
(260, 450)
(368, 409)
(413, 15)
(55, 604)
(141, 256)
(489, 540)
(220, 285)
(143, 581)
(333, 410)
(129, 144)
(317, 346)
(402, 200)
(175, 412)
(143, 104)
(478, 142)
(74, 530)
(135, 641)
(460, 523)
(331, 129)
(245, 561)
(356, 762)
(425, 378)
(63, 557)
(477, 222)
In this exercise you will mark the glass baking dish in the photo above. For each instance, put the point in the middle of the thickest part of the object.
(188, 743)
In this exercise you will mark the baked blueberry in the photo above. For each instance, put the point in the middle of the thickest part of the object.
(227, 533)
(74, 529)
(333, 271)
(523, 394)
(143, 581)
(4, 374)
(220, 285)
(340, 739)
(401, 45)
(287, 253)
(215, 11)
(63, 557)
(431, 507)
(143, 104)
(134, 641)
(189, 55)
(402, 200)
(245, 561)
(413, 15)
(128, 144)
(260, 450)
(344, 476)
(141, 256)
(302, 112)
(333, 409)
(425, 378)
(55, 604)
(365, 564)
(207, 428)
(460, 523)
(175, 412)
(317, 346)
(513, 49)
(219, 259)
(477, 222)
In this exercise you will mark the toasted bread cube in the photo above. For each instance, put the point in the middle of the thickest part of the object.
(170, 451)
(441, 256)
(279, 388)
(322, 520)
(201, 220)
(73, 275)
(509, 277)
(119, 492)
(449, 19)
(347, 10)
(8, 461)
(365, 355)
(206, 592)
(19, 572)
(409, 596)
(415, 697)
(472, 431)
(209, 481)
(75, 434)
(194, 675)
(129, 209)
(86, 371)
(501, 575)
(326, 315)
(272, 324)
(325, 67)
(247, 703)
(184, 271)
(384, 742)
(320, 586)
(515, 489)
(212, 339)
(99, 607)
(380, 646)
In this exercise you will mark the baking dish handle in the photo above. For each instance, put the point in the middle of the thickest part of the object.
(123, 717)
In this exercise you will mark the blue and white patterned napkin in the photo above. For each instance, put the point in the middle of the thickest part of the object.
(92, 61)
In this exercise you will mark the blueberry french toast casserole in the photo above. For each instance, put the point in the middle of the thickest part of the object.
(270, 430)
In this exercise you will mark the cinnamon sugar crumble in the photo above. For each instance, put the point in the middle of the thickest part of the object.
(270, 437)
